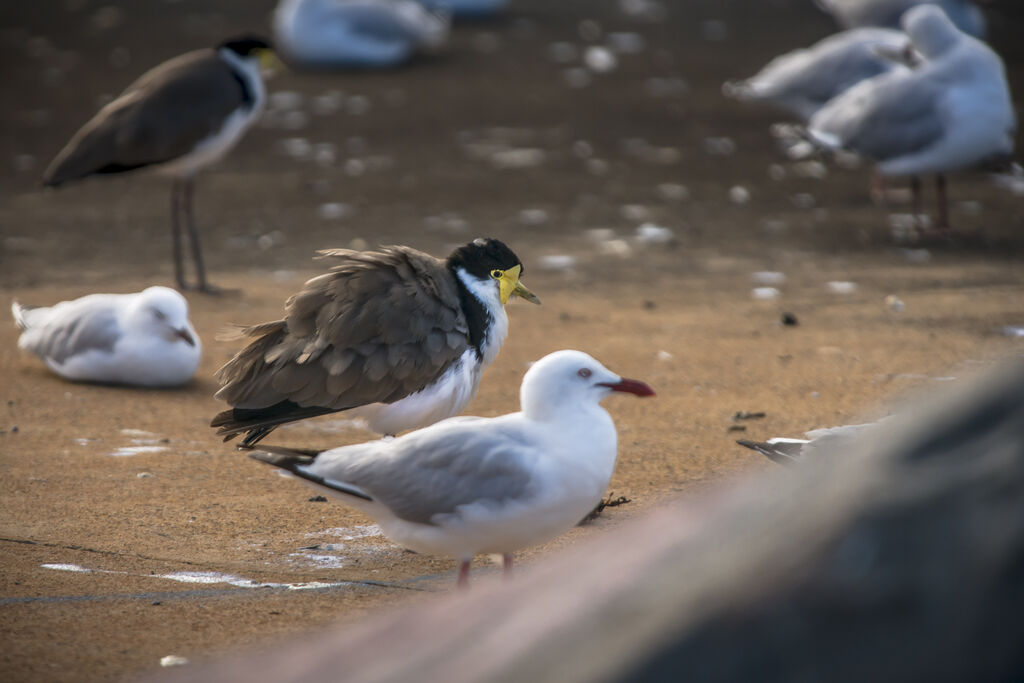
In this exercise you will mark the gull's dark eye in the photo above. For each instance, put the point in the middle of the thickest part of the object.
(159, 314)
(584, 373)
(496, 274)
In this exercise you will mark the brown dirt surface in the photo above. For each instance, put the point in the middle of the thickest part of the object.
(421, 166)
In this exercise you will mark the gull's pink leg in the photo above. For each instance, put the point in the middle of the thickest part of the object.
(506, 563)
(463, 581)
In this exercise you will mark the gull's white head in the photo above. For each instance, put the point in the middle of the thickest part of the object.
(162, 312)
(569, 381)
(930, 30)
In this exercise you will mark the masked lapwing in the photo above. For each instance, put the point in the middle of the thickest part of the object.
(177, 118)
(397, 337)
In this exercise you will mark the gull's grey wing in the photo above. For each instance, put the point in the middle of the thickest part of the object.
(888, 116)
(159, 117)
(433, 472)
(375, 328)
(71, 328)
(380, 22)
(805, 79)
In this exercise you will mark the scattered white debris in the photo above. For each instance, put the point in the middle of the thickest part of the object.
(777, 172)
(533, 216)
(739, 194)
(330, 211)
(582, 149)
(173, 660)
(634, 212)
(67, 568)
(810, 169)
(140, 433)
(627, 43)
(720, 146)
(599, 59)
(673, 192)
(556, 262)
(663, 355)
(598, 235)
(297, 148)
(597, 166)
(916, 255)
(767, 277)
(616, 247)
(328, 103)
(527, 157)
(285, 99)
(842, 287)
(765, 293)
(800, 149)
(1013, 331)
(803, 200)
(324, 153)
(128, 451)
(144, 475)
(895, 304)
(649, 233)
(350, 533)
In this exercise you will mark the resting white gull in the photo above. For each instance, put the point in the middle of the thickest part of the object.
(854, 13)
(142, 339)
(470, 485)
(803, 80)
(473, 9)
(952, 112)
(356, 33)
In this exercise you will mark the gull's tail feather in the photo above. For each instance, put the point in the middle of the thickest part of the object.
(295, 460)
(782, 451)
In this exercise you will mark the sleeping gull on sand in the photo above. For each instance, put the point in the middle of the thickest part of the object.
(952, 112)
(802, 81)
(853, 13)
(142, 339)
(471, 485)
(356, 33)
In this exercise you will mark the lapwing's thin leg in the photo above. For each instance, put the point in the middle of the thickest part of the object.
(915, 200)
(462, 581)
(179, 273)
(188, 185)
(506, 564)
(942, 200)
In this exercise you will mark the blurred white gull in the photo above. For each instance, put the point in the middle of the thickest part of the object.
(855, 13)
(470, 485)
(818, 444)
(802, 81)
(468, 8)
(356, 33)
(142, 339)
(952, 112)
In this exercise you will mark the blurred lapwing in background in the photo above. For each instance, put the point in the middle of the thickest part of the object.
(177, 118)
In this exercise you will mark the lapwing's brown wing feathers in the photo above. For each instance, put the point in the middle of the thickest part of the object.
(159, 117)
(375, 328)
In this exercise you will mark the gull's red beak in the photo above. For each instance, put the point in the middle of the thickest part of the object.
(185, 336)
(630, 386)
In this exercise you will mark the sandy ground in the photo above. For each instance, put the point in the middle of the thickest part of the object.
(419, 157)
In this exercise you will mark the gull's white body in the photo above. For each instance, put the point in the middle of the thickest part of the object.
(114, 338)
(951, 112)
(571, 464)
(470, 485)
(371, 33)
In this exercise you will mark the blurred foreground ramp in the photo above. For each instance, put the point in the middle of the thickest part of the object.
(902, 559)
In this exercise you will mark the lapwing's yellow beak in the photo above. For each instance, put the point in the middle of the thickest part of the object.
(269, 62)
(510, 285)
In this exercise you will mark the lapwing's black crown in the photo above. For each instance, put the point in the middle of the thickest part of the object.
(245, 45)
(483, 255)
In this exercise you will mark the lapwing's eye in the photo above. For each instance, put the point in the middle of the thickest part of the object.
(584, 373)
(496, 274)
